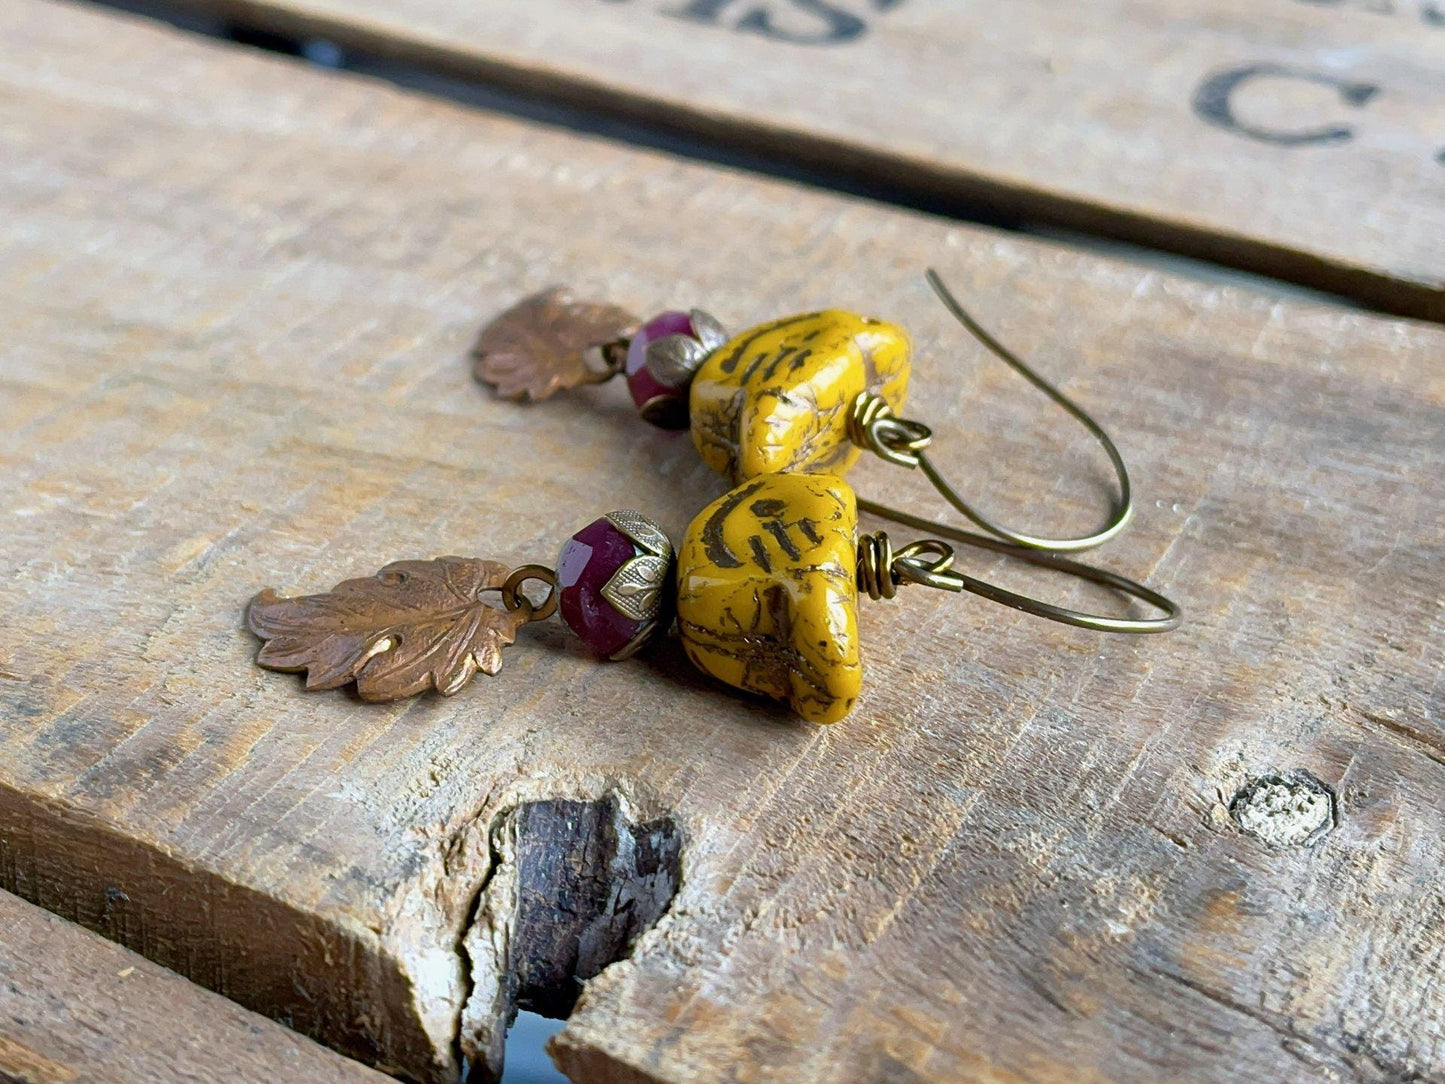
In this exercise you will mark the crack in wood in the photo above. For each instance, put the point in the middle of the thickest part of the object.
(1422, 742)
(1352, 1053)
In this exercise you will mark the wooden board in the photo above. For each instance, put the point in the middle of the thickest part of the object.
(75, 1007)
(1298, 139)
(236, 301)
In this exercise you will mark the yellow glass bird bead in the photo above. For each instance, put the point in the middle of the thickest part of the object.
(767, 596)
(777, 398)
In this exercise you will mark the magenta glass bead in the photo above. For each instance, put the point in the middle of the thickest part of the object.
(654, 398)
(614, 582)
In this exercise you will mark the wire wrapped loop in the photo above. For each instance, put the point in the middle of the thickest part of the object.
(928, 562)
(881, 571)
(873, 425)
(875, 566)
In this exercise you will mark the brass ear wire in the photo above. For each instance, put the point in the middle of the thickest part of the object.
(873, 425)
(929, 562)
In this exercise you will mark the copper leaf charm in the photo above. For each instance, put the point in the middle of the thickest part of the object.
(415, 625)
(541, 345)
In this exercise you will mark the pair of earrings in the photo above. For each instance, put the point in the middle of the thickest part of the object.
(765, 586)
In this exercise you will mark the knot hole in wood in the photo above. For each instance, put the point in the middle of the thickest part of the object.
(1284, 810)
(573, 885)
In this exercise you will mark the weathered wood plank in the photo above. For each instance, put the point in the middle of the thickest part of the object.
(75, 1007)
(1429, 13)
(1290, 137)
(236, 298)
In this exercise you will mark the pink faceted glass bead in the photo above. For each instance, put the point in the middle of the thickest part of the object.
(614, 583)
(657, 401)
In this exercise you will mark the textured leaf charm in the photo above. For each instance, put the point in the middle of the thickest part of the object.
(541, 345)
(413, 626)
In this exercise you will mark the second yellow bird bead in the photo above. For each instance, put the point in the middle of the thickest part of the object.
(777, 398)
(767, 596)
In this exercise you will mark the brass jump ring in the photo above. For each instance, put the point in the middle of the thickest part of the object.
(513, 598)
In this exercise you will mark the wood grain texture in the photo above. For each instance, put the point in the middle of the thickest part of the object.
(1291, 137)
(75, 1007)
(1428, 13)
(237, 297)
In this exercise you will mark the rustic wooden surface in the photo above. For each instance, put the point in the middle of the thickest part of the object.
(1298, 138)
(236, 300)
(75, 1007)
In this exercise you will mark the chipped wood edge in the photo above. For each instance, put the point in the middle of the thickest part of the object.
(76, 1007)
(361, 998)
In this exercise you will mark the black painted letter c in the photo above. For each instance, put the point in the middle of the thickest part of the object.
(1213, 103)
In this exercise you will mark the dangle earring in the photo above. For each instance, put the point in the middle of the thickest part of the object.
(421, 625)
(765, 594)
(805, 393)
(765, 588)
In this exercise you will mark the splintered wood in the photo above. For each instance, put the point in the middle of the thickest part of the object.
(1299, 138)
(237, 299)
